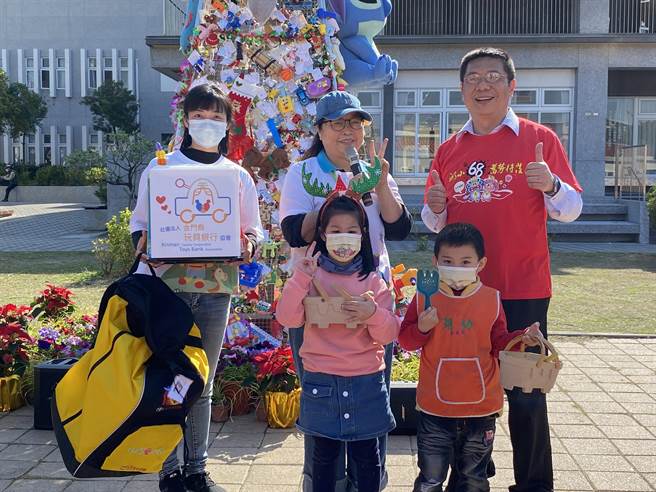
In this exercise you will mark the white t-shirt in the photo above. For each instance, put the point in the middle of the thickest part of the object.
(295, 199)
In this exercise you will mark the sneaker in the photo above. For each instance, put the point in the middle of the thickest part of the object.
(201, 482)
(173, 482)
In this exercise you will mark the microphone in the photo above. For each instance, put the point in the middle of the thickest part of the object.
(354, 163)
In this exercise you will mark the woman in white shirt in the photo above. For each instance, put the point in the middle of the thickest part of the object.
(206, 288)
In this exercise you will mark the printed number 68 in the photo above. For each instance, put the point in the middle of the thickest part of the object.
(476, 168)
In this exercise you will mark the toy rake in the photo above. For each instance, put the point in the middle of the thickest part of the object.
(428, 283)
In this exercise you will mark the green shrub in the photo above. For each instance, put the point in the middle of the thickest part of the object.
(73, 173)
(651, 204)
(97, 176)
(115, 253)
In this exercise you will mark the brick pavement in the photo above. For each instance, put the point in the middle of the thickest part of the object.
(602, 414)
(47, 227)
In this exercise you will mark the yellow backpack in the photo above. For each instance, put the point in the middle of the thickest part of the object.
(121, 409)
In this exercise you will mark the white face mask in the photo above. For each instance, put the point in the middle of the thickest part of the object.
(207, 133)
(457, 277)
(343, 247)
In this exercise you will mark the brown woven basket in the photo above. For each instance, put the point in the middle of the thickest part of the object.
(528, 370)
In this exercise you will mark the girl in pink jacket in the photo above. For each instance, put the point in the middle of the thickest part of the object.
(344, 395)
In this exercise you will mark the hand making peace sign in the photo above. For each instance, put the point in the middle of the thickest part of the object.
(371, 150)
(308, 264)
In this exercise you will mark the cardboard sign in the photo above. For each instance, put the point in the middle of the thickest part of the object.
(193, 213)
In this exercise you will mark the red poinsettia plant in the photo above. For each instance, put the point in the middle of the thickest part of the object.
(14, 339)
(53, 302)
(275, 369)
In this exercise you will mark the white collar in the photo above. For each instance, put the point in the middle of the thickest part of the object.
(511, 121)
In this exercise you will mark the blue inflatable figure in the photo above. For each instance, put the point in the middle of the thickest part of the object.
(359, 21)
(191, 21)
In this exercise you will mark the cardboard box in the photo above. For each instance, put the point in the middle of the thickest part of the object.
(193, 214)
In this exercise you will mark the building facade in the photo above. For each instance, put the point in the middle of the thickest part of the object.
(64, 51)
(585, 68)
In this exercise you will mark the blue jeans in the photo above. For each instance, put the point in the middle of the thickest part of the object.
(211, 316)
(464, 443)
(346, 479)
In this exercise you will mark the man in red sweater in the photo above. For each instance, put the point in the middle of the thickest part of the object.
(504, 174)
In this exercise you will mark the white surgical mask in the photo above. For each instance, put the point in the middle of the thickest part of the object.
(343, 247)
(207, 133)
(457, 277)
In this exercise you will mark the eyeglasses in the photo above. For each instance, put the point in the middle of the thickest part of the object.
(339, 125)
(490, 78)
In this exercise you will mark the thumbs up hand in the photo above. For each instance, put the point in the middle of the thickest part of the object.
(538, 175)
(436, 196)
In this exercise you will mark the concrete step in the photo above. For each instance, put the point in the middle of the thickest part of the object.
(591, 231)
(594, 231)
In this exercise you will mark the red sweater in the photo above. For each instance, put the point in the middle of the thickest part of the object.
(486, 186)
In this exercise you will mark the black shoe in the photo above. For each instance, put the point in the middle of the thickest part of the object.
(201, 482)
(173, 482)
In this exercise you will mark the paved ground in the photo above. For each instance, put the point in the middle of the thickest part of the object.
(602, 413)
(47, 227)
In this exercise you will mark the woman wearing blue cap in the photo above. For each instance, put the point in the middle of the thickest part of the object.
(340, 123)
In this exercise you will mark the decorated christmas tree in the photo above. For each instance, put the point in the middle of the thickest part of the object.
(274, 59)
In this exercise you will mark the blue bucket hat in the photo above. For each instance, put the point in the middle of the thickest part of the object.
(336, 104)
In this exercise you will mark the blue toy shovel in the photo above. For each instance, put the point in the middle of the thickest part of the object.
(428, 283)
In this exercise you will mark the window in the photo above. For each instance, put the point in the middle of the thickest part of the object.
(455, 121)
(61, 73)
(92, 74)
(29, 72)
(405, 98)
(61, 147)
(431, 98)
(647, 106)
(371, 102)
(124, 74)
(17, 150)
(417, 132)
(369, 99)
(45, 73)
(47, 149)
(455, 98)
(108, 65)
(559, 123)
(524, 96)
(560, 97)
(429, 139)
(30, 142)
(94, 141)
(526, 104)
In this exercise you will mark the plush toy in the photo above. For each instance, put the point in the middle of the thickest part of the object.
(191, 22)
(359, 21)
(265, 164)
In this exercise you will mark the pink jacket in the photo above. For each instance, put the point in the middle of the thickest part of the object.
(337, 349)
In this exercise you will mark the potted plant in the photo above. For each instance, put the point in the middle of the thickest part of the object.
(14, 342)
(277, 377)
(403, 390)
(238, 385)
(220, 404)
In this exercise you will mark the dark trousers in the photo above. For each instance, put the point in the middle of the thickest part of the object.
(10, 186)
(325, 460)
(527, 414)
(463, 443)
